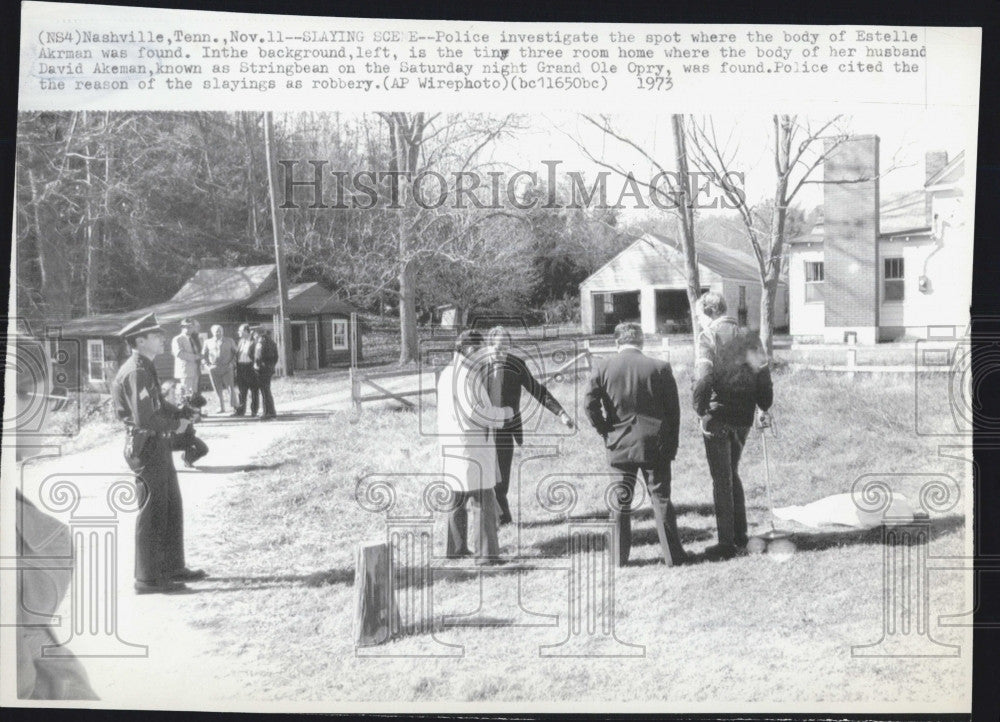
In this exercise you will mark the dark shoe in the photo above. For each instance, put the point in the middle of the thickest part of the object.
(268, 417)
(505, 519)
(720, 552)
(461, 554)
(188, 575)
(163, 586)
(236, 413)
(490, 561)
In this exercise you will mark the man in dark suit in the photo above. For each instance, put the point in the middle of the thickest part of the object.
(265, 358)
(507, 375)
(632, 402)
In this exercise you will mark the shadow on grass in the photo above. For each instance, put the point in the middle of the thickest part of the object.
(558, 546)
(639, 515)
(228, 469)
(834, 538)
(227, 420)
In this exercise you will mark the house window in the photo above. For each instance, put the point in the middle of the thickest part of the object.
(893, 284)
(814, 281)
(95, 360)
(339, 335)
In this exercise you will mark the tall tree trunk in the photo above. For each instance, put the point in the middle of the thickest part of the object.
(408, 346)
(284, 340)
(89, 274)
(686, 216)
(783, 130)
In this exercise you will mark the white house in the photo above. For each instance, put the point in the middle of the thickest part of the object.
(882, 268)
(646, 283)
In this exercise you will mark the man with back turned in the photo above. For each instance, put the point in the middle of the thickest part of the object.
(632, 402)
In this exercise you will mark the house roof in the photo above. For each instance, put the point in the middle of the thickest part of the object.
(727, 262)
(952, 171)
(208, 291)
(305, 299)
(232, 284)
(901, 213)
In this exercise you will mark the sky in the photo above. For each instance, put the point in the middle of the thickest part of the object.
(904, 140)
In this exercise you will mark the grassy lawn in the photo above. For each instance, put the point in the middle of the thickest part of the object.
(759, 629)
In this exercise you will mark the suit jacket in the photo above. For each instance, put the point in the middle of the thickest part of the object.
(505, 381)
(187, 361)
(265, 356)
(632, 402)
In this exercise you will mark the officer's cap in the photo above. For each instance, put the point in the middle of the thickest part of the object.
(140, 327)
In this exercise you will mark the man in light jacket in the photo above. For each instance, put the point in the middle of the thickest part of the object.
(187, 356)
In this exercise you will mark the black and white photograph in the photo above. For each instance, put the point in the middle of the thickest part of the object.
(482, 406)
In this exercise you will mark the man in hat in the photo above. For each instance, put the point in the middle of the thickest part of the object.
(186, 348)
(151, 423)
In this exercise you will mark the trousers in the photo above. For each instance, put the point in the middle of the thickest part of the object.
(264, 383)
(487, 536)
(159, 527)
(724, 449)
(505, 458)
(657, 480)
(193, 447)
(246, 382)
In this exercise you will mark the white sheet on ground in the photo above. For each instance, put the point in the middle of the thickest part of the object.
(840, 510)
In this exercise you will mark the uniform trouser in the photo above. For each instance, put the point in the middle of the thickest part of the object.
(505, 458)
(487, 538)
(723, 450)
(159, 527)
(264, 382)
(193, 447)
(246, 381)
(657, 480)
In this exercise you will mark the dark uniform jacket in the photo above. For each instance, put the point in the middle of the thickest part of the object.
(731, 375)
(632, 402)
(505, 381)
(137, 399)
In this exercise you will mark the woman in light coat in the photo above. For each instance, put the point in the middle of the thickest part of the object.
(466, 424)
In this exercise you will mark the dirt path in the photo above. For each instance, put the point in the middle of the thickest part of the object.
(175, 664)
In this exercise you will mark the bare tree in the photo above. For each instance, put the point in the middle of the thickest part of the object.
(670, 187)
(799, 148)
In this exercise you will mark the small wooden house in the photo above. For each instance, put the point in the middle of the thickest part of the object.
(320, 322)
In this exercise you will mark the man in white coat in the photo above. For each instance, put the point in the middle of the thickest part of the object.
(187, 358)
(466, 429)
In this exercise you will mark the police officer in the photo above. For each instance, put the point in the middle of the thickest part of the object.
(151, 423)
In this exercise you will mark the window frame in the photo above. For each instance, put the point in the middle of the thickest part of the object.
(95, 343)
(814, 286)
(896, 281)
(333, 334)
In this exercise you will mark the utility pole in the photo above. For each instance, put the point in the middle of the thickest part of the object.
(284, 333)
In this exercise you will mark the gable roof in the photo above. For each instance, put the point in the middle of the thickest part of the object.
(208, 291)
(305, 299)
(225, 284)
(727, 262)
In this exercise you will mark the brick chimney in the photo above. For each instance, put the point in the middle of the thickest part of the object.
(850, 238)
(934, 161)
